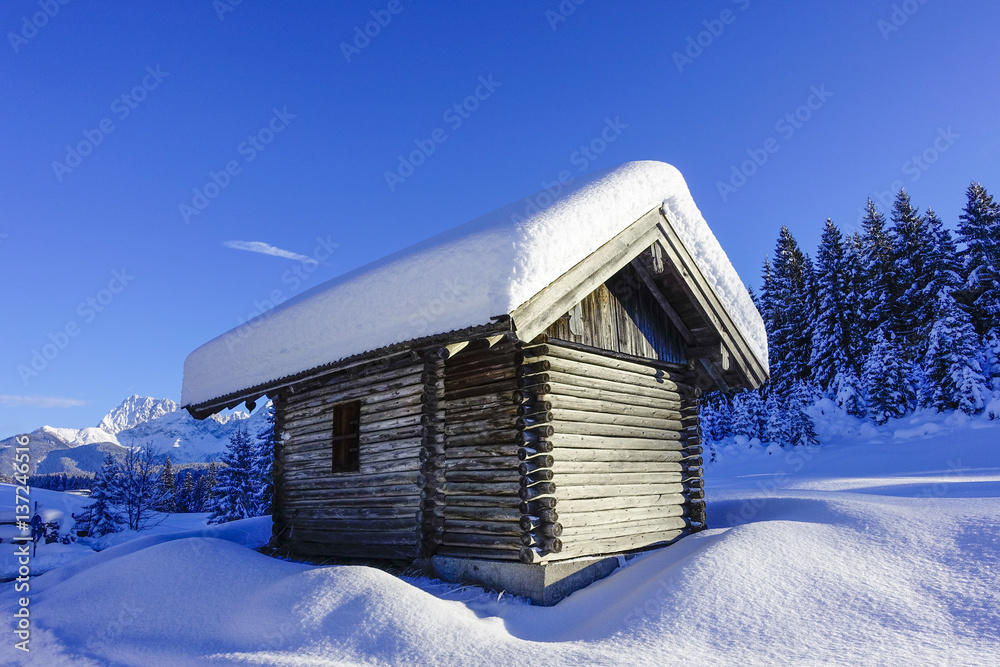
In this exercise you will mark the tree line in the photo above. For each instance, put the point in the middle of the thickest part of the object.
(899, 316)
(135, 491)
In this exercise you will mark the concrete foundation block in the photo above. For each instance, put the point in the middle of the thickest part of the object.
(542, 584)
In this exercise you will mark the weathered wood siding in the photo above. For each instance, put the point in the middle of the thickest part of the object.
(543, 452)
(371, 513)
(619, 467)
(479, 499)
(622, 316)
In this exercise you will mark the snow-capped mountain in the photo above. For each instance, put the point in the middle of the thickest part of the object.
(140, 421)
(135, 410)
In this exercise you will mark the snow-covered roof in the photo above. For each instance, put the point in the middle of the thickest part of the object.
(464, 277)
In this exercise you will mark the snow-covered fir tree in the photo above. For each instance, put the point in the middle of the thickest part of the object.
(801, 429)
(105, 517)
(778, 423)
(943, 263)
(186, 499)
(848, 392)
(833, 346)
(765, 299)
(887, 379)
(716, 416)
(955, 376)
(168, 486)
(791, 311)
(205, 487)
(264, 465)
(877, 288)
(979, 231)
(914, 250)
(234, 493)
(749, 415)
(991, 357)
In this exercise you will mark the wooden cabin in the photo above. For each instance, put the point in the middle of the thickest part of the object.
(524, 451)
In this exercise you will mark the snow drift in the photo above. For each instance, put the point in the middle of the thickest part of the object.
(881, 547)
(461, 278)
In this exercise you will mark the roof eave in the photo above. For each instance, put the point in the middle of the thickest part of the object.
(385, 355)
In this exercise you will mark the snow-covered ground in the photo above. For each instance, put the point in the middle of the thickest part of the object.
(880, 547)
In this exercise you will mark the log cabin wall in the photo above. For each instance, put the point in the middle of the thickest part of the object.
(619, 467)
(478, 501)
(374, 512)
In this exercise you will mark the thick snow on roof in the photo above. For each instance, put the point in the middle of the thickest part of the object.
(463, 277)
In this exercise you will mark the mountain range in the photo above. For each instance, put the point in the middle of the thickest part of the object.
(140, 421)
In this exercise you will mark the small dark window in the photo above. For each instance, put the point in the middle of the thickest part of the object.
(346, 423)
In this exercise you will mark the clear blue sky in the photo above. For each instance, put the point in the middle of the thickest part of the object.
(65, 231)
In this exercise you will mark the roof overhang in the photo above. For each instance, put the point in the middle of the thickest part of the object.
(400, 354)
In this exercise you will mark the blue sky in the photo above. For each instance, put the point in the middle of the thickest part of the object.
(99, 259)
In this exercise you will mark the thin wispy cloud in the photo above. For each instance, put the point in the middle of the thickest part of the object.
(11, 401)
(266, 249)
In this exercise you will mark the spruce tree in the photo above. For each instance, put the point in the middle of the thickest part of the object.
(876, 279)
(205, 487)
(749, 415)
(105, 516)
(887, 379)
(187, 500)
(716, 416)
(765, 300)
(833, 331)
(168, 487)
(979, 231)
(954, 372)
(779, 430)
(944, 270)
(991, 354)
(792, 311)
(264, 466)
(234, 494)
(801, 430)
(848, 392)
(914, 251)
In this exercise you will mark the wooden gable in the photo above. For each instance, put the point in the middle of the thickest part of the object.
(622, 315)
(716, 348)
